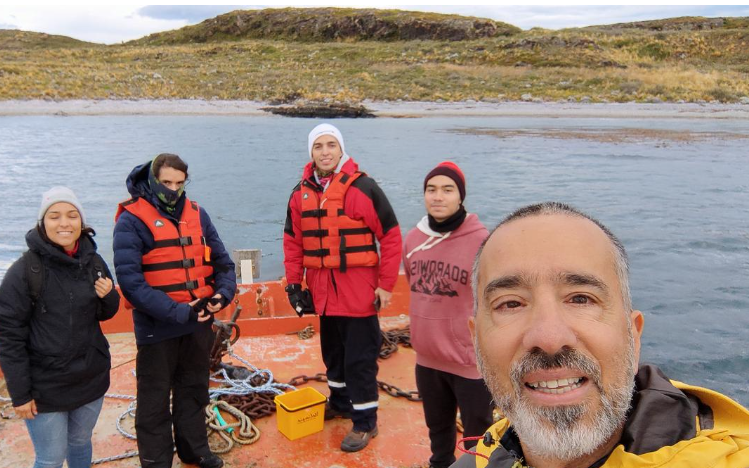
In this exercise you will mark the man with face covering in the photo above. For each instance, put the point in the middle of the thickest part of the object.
(558, 343)
(175, 272)
(335, 216)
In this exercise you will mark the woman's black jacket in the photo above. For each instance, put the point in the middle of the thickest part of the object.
(53, 351)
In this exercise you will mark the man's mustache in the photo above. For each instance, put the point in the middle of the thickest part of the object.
(569, 358)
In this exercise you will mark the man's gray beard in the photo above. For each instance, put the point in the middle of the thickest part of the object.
(559, 432)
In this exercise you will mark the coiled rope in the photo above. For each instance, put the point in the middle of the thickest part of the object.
(242, 431)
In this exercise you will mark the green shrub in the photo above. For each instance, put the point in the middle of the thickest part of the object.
(722, 94)
(655, 50)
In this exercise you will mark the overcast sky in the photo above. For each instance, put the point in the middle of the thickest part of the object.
(114, 23)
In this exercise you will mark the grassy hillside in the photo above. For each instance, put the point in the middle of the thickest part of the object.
(684, 23)
(332, 24)
(14, 39)
(668, 60)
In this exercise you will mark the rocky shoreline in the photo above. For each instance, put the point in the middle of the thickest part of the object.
(382, 109)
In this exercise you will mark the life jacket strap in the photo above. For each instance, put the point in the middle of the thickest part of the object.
(314, 213)
(320, 213)
(343, 232)
(315, 233)
(316, 253)
(186, 263)
(187, 286)
(353, 231)
(358, 248)
(178, 242)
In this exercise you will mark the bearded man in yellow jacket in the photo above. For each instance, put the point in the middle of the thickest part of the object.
(558, 344)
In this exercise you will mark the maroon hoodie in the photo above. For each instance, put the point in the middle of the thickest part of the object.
(438, 268)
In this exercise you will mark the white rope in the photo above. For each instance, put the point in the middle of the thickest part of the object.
(245, 386)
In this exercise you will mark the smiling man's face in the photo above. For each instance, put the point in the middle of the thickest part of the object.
(554, 342)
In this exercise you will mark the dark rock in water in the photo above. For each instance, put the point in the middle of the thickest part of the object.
(327, 111)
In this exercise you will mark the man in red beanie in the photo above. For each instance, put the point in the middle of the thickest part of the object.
(438, 258)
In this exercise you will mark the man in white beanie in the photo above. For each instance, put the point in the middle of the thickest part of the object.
(335, 218)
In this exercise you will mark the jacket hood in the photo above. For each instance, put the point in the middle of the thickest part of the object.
(86, 249)
(346, 165)
(137, 182)
(138, 187)
(470, 225)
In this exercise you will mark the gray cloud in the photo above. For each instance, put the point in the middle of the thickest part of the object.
(190, 13)
(8, 26)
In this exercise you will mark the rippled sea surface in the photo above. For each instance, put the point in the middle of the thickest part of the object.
(675, 191)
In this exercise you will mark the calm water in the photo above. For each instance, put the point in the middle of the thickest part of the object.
(680, 207)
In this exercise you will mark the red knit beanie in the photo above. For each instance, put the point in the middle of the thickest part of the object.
(451, 170)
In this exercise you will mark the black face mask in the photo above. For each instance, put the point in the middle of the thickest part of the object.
(165, 195)
(450, 224)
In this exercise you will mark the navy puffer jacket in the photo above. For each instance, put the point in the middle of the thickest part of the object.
(156, 316)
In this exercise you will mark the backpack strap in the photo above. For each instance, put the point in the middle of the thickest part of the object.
(35, 275)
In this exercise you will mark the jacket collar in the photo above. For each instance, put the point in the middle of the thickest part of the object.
(661, 415)
(46, 250)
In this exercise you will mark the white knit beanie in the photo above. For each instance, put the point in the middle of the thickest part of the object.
(56, 195)
(324, 129)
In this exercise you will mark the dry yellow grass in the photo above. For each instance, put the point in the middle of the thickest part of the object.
(551, 65)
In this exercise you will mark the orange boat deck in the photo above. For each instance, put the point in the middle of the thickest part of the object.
(403, 440)
(266, 310)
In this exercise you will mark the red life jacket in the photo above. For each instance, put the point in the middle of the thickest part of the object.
(330, 239)
(179, 263)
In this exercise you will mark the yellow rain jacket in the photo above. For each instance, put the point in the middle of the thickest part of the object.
(670, 425)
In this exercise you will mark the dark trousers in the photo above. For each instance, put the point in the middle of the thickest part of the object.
(179, 366)
(443, 394)
(350, 347)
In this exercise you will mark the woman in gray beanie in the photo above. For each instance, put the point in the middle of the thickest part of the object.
(52, 351)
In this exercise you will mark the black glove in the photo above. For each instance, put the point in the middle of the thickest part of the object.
(196, 309)
(200, 307)
(300, 300)
(221, 300)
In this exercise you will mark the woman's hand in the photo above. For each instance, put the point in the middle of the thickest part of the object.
(103, 286)
(27, 410)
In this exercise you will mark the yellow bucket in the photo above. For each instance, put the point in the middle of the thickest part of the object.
(300, 413)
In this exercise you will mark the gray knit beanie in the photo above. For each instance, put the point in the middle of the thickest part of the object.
(56, 195)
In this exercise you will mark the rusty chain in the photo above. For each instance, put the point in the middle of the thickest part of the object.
(396, 392)
(392, 338)
(391, 390)
(254, 405)
(303, 379)
(305, 333)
